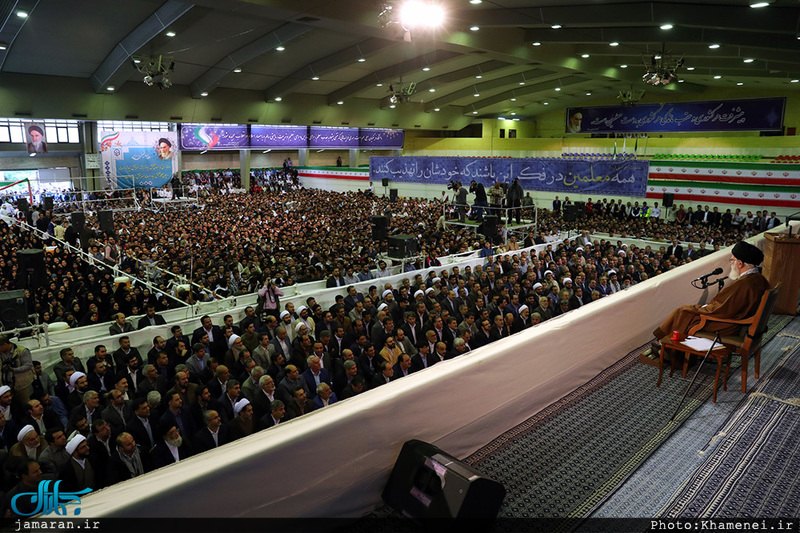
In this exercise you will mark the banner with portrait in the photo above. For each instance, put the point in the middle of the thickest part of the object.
(622, 177)
(138, 159)
(35, 138)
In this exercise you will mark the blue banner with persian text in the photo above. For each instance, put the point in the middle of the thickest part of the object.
(612, 177)
(757, 114)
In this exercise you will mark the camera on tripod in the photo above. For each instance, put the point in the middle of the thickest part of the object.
(453, 185)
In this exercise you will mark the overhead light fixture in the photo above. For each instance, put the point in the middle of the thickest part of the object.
(794, 81)
(170, 34)
(689, 68)
(392, 106)
(513, 113)
(558, 89)
(717, 77)
(426, 69)
(513, 99)
(136, 61)
(268, 150)
(431, 90)
(204, 94)
(156, 69)
(340, 102)
(613, 43)
(501, 118)
(361, 59)
(278, 99)
(536, 43)
(110, 88)
(280, 48)
(474, 28)
(204, 151)
(22, 14)
(662, 68)
(436, 109)
(545, 103)
(589, 93)
(713, 46)
(666, 26)
(556, 26)
(474, 112)
(477, 77)
(237, 70)
(739, 83)
(749, 60)
(681, 80)
(3, 46)
(33, 154)
(585, 56)
(757, 5)
(314, 78)
(476, 95)
(522, 83)
(475, 2)
(623, 66)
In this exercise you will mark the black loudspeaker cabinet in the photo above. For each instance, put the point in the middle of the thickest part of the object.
(79, 221)
(580, 209)
(427, 483)
(32, 272)
(402, 246)
(48, 203)
(490, 226)
(669, 199)
(379, 227)
(570, 213)
(392, 195)
(22, 204)
(13, 311)
(106, 220)
(385, 182)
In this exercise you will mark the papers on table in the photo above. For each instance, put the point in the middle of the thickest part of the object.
(700, 344)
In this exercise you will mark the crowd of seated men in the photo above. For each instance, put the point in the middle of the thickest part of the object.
(201, 389)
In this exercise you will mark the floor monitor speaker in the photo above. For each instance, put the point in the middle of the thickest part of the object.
(13, 311)
(106, 219)
(380, 225)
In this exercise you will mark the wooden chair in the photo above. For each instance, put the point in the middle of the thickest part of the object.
(747, 344)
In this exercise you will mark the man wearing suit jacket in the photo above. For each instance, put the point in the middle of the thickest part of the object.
(100, 379)
(216, 339)
(118, 413)
(150, 318)
(353, 297)
(281, 344)
(335, 280)
(120, 325)
(172, 343)
(403, 367)
(179, 415)
(198, 362)
(315, 375)
(675, 249)
(128, 460)
(140, 424)
(213, 435)
(424, 358)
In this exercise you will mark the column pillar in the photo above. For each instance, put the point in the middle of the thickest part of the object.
(244, 168)
(353, 163)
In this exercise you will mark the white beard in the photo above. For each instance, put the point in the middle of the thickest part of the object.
(175, 442)
(734, 273)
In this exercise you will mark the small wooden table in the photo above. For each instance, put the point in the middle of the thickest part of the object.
(718, 354)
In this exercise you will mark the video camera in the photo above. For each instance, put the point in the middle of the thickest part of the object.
(453, 185)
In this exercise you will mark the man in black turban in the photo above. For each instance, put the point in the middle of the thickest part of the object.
(737, 301)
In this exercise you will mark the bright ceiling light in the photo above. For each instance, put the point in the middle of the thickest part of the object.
(392, 106)
(278, 98)
(585, 56)
(22, 14)
(431, 90)
(536, 43)
(426, 69)
(476, 2)
(556, 26)
(501, 118)
(623, 66)
(613, 43)
(436, 109)
(3, 46)
(513, 99)
(378, 85)
(749, 60)
(280, 48)
(474, 28)
(546, 103)
(417, 14)
(478, 76)
(666, 26)
(689, 68)
(203, 93)
(717, 77)
(756, 5)
(110, 88)
(739, 83)
(589, 93)
(474, 112)
(237, 70)
(794, 81)
(513, 113)
(558, 88)
(713, 46)
(315, 78)
(361, 59)
(170, 34)
(340, 102)
(476, 95)
(680, 81)
(522, 83)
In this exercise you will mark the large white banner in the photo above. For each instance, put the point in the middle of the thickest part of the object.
(138, 159)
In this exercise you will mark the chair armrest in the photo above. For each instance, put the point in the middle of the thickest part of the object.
(704, 319)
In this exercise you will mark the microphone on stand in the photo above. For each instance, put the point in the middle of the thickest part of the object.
(704, 277)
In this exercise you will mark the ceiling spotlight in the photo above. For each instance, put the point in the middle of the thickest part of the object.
(585, 56)
(513, 99)
(315, 78)
(666, 26)
(204, 94)
(164, 83)
(477, 77)
(613, 43)
(522, 83)
(623, 66)
(278, 98)
(431, 90)
(378, 85)
(689, 68)
(501, 118)
(436, 109)
(136, 60)
(749, 60)
(536, 43)
(3, 46)
(279, 48)
(681, 81)
(474, 112)
(556, 26)
(794, 81)
(33, 154)
(546, 103)
(513, 113)
(717, 77)
(476, 2)
(713, 46)
(392, 106)
(110, 88)
(589, 93)
(558, 88)
(474, 28)
(476, 95)
(148, 80)
(340, 102)
(361, 59)
(756, 5)
(170, 34)
(426, 69)
(237, 70)
(22, 14)
(739, 83)
(413, 14)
